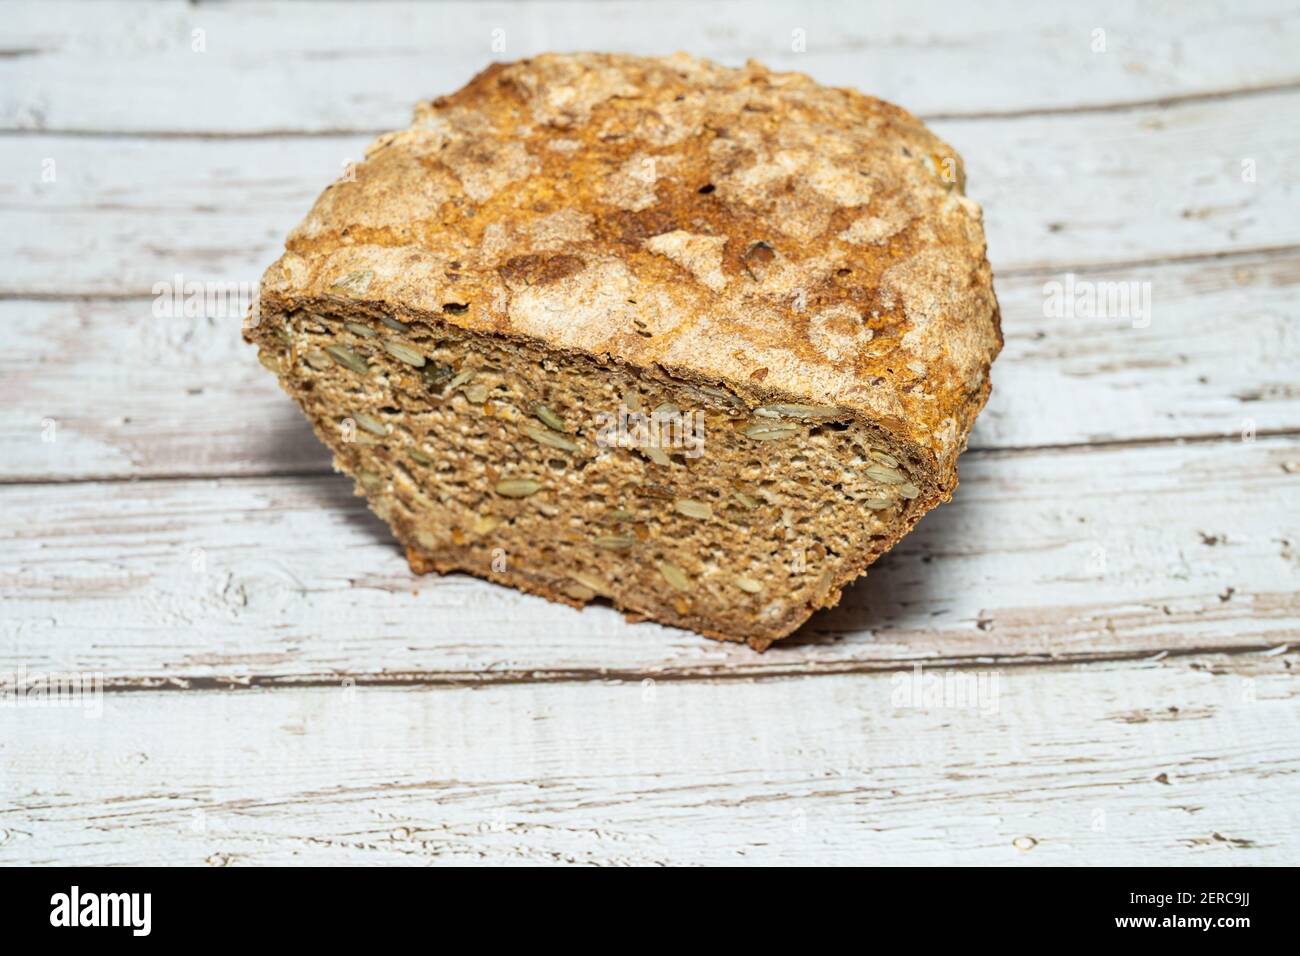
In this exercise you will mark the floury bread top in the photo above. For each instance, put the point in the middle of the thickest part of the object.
(735, 227)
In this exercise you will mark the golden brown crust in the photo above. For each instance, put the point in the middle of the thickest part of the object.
(733, 226)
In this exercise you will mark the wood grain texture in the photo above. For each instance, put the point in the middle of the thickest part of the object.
(1059, 193)
(1217, 358)
(1119, 564)
(311, 67)
(1187, 761)
(1089, 554)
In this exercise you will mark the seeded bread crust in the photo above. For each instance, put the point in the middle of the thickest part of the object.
(732, 228)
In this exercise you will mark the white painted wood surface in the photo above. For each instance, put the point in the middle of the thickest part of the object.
(1123, 555)
(1187, 761)
(325, 67)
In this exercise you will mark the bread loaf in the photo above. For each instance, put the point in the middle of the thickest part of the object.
(698, 341)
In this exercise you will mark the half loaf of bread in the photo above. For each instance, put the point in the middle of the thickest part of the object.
(698, 341)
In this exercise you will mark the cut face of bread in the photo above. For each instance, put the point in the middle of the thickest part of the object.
(703, 343)
(577, 479)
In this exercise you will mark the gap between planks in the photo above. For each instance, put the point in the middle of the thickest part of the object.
(716, 673)
(1159, 102)
(1155, 103)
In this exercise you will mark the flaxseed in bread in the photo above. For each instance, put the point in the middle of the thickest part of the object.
(703, 342)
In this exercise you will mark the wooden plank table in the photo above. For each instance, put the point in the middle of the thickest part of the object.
(1090, 656)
